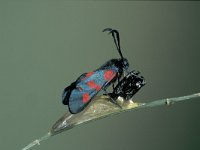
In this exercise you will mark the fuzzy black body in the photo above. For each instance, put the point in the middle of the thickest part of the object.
(128, 86)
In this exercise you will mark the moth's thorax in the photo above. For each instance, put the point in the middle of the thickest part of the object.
(120, 64)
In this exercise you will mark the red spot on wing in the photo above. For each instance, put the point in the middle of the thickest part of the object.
(98, 87)
(93, 85)
(80, 88)
(86, 97)
(109, 75)
(87, 75)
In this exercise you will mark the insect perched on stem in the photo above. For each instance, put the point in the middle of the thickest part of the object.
(128, 86)
(78, 95)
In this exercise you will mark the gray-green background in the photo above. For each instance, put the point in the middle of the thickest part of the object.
(44, 46)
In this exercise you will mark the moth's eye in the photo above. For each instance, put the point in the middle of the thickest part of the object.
(125, 63)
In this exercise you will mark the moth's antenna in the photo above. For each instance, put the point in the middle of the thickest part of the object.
(115, 35)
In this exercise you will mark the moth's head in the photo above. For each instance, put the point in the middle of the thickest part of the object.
(125, 64)
(122, 64)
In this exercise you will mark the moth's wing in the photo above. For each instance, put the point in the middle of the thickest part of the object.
(65, 95)
(67, 91)
(88, 87)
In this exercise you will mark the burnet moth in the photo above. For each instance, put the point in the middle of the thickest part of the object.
(78, 95)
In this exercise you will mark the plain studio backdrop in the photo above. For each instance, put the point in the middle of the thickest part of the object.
(44, 46)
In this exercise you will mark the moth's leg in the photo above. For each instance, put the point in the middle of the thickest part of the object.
(113, 86)
(118, 78)
(111, 99)
(125, 73)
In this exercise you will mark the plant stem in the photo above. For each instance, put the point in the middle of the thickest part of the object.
(101, 107)
(37, 142)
